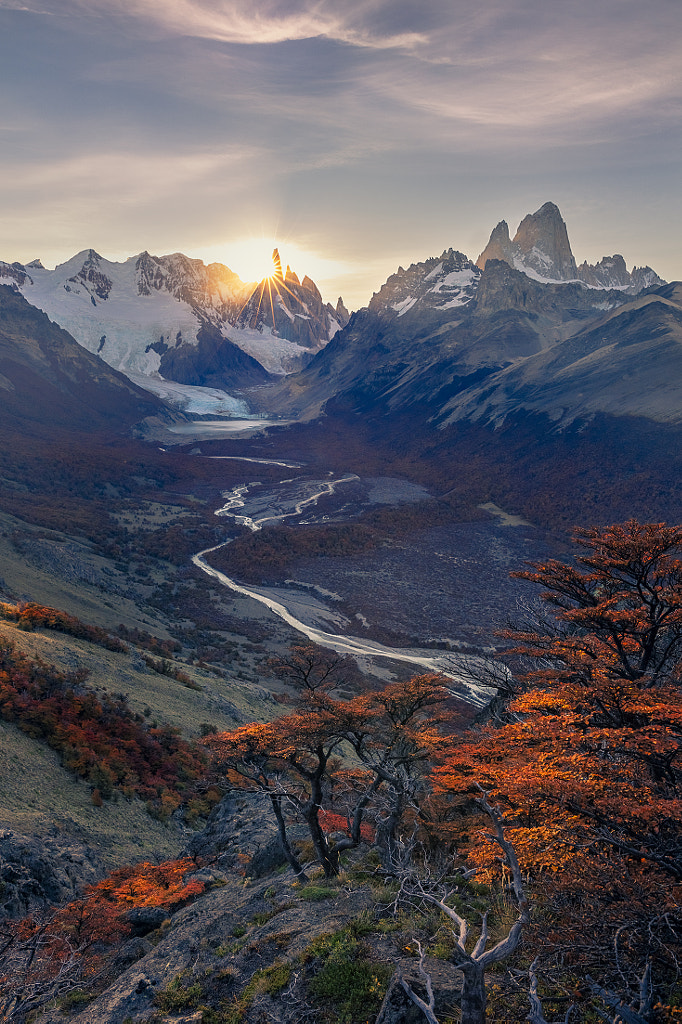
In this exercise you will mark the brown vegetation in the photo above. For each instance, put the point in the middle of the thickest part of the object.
(98, 737)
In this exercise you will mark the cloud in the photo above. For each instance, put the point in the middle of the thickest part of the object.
(360, 120)
(363, 23)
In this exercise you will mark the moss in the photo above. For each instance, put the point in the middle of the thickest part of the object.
(315, 893)
(75, 1000)
(268, 981)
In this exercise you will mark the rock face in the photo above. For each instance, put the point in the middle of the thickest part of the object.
(39, 873)
(238, 829)
(543, 246)
(541, 250)
(540, 246)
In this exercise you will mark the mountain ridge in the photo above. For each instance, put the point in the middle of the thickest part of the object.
(133, 313)
(541, 250)
(47, 378)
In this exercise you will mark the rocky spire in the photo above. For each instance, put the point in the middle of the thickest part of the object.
(499, 247)
(542, 242)
(539, 248)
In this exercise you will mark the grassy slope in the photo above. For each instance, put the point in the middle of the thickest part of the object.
(39, 798)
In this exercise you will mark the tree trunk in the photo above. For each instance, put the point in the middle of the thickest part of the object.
(386, 831)
(293, 860)
(473, 994)
(326, 857)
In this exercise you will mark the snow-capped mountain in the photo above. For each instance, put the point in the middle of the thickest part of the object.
(541, 250)
(440, 283)
(529, 331)
(175, 317)
(51, 386)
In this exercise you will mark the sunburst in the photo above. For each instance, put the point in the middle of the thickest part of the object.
(269, 288)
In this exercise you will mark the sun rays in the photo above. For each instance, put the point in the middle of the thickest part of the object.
(269, 293)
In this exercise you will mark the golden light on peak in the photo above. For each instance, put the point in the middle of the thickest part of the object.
(252, 258)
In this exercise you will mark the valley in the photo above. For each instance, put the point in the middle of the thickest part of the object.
(266, 644)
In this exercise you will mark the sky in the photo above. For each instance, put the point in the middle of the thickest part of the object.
(357, 135)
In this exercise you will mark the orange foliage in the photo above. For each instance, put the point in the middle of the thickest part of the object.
(149, 885)
(393, 733)
(98, 737)
(30, 616)
(587, 767)
(42, 958)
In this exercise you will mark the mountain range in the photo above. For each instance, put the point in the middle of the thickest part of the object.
(174, 317)
(481, 341)
(523, 328)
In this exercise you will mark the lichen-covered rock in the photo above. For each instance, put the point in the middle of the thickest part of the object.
(37, 873)
(240, 826)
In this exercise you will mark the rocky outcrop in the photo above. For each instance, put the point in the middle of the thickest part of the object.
(542, 244)
(611, 272)
(541, 250)
(440, 283)
(539, 247)
(237, 830)
(213, 361)
(91, 275)
(499, 247)
(39, 873)
(341, 313)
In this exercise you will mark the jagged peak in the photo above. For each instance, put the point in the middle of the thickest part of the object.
(310, 285)
(500, 230)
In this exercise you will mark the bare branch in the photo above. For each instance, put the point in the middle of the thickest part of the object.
(428, 1009)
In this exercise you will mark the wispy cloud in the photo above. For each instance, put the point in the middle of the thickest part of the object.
(361, 120)
(364, 23)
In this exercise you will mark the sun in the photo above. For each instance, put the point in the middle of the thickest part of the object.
(251, 258)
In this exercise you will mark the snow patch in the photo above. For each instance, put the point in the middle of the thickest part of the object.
(276, 354)
(455, 279)
(402, 307)
(434, 273)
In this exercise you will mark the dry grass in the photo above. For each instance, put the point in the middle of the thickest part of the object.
(161, 697)
(26, 581)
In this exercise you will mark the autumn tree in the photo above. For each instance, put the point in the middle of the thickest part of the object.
(291, 761)
(610, 672)
(301, 761)
(312, 669)
(396, 735)
(587, 766)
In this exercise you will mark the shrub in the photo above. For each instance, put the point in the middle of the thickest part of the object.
(347, 980)
(178, 996)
